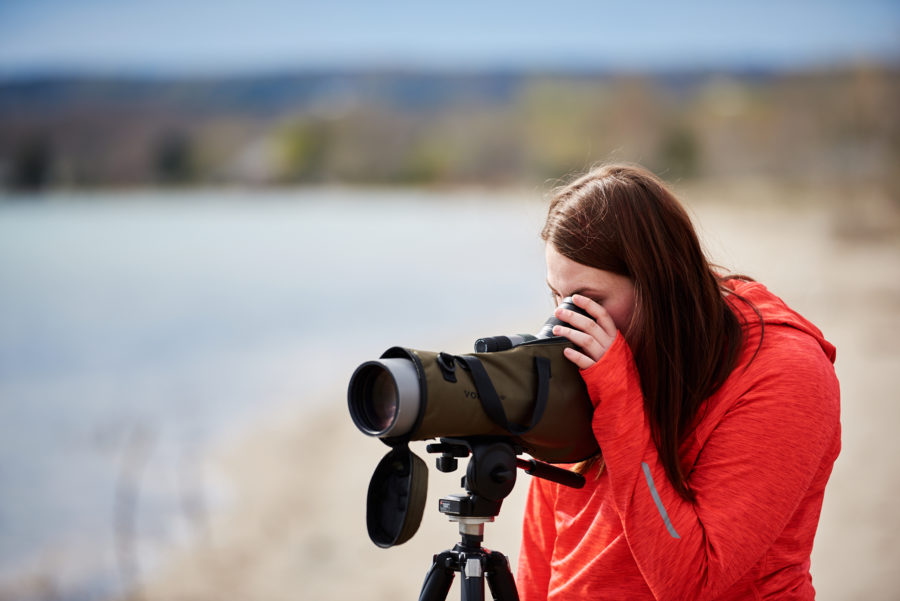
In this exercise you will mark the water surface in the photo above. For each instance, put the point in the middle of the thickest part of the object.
(140, 329)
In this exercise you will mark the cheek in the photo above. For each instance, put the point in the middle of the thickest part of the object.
(622, 312)
(621, 316)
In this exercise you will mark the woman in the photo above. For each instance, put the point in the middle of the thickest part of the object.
(716, 413)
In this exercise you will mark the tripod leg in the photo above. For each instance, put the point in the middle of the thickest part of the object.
(473, 578)
(439, 578)
(500, 579)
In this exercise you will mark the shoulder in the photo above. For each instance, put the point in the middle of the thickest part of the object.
(787, 378)
(779, 356)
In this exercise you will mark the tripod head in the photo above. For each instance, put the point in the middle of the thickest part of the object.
(490, 475)
(491, 472)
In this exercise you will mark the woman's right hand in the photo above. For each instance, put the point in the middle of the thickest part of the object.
(592, 336)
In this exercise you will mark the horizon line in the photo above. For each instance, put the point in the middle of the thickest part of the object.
(147, 72)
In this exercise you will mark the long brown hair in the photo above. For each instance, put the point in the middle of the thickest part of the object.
(621, 218)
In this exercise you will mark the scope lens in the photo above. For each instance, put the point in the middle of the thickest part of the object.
(384, 397)
(381, 408)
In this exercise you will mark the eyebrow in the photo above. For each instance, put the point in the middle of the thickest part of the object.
(583, 291)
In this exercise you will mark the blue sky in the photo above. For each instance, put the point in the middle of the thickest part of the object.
(191, 36)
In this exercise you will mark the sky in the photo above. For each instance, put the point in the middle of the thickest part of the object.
(204, 36)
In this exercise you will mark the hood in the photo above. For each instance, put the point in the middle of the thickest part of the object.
(774, 311)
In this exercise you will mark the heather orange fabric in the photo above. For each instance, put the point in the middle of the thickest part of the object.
(758, 461)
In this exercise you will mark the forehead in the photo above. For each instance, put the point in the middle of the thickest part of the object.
(567, 277)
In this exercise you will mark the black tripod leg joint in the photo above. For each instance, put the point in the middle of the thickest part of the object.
(500, 579)
(497, 561)
(446, 560)
(439, 577)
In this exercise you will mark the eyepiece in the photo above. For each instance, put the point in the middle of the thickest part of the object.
(383, 397)
(547, 329)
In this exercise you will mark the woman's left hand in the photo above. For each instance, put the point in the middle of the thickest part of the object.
(592, 337)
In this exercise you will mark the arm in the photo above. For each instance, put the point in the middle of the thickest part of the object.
(752, 472)
(538, 539)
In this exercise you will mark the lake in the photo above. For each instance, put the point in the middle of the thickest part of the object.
(140, 330)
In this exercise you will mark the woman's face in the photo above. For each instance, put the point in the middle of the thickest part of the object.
(613, 292)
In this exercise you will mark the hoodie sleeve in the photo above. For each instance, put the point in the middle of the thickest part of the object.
(775, 426)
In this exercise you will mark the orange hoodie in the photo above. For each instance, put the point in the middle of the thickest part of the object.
(758, 462)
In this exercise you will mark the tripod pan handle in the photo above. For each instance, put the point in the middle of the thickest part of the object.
(550, 472)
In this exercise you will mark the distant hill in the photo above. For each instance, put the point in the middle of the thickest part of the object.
(437, 127)
(264, 93)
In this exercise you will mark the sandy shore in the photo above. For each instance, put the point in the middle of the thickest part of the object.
(296, 526)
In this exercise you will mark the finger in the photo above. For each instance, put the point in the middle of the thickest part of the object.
(596, 310)
(584, 323)
(588, 345)
(603, 329)
(585, 332)
(580, 360)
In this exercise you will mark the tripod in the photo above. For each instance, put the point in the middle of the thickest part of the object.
(490, 477)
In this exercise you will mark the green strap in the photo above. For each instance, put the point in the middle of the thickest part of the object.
(490, 400)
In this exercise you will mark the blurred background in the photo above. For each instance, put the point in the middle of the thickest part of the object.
(211, 212)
